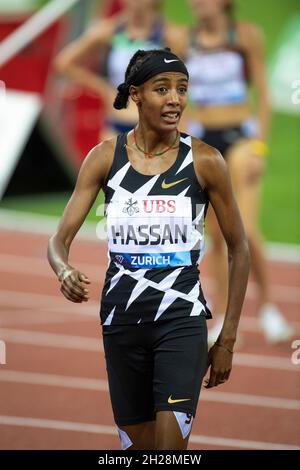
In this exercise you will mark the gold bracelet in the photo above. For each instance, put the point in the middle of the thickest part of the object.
(260, 148)
(221, 346)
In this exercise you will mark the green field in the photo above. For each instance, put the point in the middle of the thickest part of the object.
(281, 197)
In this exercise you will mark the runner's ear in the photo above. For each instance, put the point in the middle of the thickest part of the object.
(134, 93)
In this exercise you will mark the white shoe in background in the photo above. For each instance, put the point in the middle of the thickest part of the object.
(275, 327)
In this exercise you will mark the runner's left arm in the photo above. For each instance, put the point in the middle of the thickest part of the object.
(213, 175)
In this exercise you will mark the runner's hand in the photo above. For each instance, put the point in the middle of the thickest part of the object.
(220, 363)
(73, 285)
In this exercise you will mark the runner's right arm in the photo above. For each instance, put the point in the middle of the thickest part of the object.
(91, 178)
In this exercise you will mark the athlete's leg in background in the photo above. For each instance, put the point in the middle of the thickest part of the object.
(247, 187)
(247, 190)
(246, 177)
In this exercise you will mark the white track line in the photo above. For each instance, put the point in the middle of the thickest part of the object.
(239, 443)
(44, 304)
(251, 400)
(39, 267)
(50, 303)
(54, 424)
(81, 343)
(264, 362)
(22, 316)
(111, 430)
(27, 222)
(42, 224)
(18, 317)
(36, 378)
(52, 340)
(85, 383)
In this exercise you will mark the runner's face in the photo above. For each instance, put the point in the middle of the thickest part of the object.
(208, 8)
(162, 99)
(141, 4)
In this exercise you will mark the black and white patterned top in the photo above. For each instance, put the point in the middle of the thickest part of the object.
(155, 228)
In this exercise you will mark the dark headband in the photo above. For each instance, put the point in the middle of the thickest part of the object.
(155, 64)
(160, 63)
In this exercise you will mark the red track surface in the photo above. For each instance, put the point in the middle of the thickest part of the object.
(53, 391)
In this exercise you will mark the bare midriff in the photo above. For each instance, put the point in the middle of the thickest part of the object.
(220, 116)
(208, 116)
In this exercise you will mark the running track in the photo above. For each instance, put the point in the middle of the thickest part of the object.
(53, 387)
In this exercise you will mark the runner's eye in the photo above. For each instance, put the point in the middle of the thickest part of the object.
(182, 90)
(162, 90)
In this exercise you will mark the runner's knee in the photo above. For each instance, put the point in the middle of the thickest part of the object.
(173, 430)
(137, 437)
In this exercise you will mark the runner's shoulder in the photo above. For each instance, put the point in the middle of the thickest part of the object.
(249, 34)
(205, 153)
(208, 161)
(100, 158)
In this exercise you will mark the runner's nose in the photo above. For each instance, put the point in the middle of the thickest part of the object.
(173, 97)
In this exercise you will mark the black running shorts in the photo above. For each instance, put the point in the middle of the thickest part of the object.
(154, 367)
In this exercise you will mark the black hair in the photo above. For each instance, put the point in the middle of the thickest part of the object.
(229, 9)
(136, 63)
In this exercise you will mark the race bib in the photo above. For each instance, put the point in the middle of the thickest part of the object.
(150, 231)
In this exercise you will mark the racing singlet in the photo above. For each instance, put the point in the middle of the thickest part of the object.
(155, 228)
(218, 76)
(122, 49)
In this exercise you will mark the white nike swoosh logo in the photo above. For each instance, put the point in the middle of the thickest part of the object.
(167, 61)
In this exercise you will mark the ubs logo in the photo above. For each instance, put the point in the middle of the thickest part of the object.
(159, 205)
(130, 207)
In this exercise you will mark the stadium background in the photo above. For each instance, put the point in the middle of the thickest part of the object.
(279, 220)
(53, 384)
